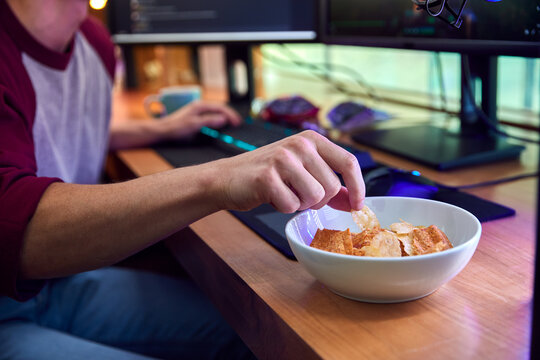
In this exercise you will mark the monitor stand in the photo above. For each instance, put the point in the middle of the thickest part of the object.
(442, 149)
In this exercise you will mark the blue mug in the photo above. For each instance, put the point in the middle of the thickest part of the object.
(170, 99)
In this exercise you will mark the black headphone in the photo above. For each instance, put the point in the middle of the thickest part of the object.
(449, 15)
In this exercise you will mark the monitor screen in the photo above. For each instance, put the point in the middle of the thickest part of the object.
(182, 21)
(508, 27)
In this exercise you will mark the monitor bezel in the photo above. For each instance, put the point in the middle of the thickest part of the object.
(216, 37)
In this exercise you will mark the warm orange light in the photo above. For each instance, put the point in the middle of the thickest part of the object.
(98, 4)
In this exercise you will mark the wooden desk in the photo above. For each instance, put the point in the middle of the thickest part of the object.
(282, 312)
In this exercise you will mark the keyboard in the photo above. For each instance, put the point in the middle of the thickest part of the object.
(254, 134)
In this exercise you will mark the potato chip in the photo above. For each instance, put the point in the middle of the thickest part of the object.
(429, 240)
(407, 248)
(359, 238)
(347, 242)
(380, 243)
(333, 240)
(365, 219)
(402, 227)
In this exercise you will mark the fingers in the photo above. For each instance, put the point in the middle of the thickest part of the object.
(307, 164)
(307, 188)
(207, 107)
(293, 174)
(213, 120)
(281, 197)
(341, 200)
(345, 163)
(326, 177)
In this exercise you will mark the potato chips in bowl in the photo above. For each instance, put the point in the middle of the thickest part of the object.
(400, 239)
(368, 276)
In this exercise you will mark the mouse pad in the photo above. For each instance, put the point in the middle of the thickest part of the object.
(270, 225)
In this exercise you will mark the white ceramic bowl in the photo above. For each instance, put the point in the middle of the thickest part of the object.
(386, 280)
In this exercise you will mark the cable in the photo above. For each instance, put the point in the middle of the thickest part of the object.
(340, 87)
(355, 75)
(320, 70)
(435, 1)
(336, 85)
(284, 62)
(442, 86)
(480, 112)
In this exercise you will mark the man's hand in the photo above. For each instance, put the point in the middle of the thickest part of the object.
(189, 119)
(183, 123)
(293, 174)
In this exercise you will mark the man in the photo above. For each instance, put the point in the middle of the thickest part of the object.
(56, 68)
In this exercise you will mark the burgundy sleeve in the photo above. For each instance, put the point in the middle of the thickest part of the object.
(20, 188)
(100, 39)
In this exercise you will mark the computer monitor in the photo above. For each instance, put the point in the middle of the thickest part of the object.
(235, 23)
(489, 29)
(215, 21)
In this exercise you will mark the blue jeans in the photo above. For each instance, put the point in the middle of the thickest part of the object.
(117, 313)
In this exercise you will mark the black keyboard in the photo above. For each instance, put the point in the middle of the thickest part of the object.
(254, 134)
(258, 133)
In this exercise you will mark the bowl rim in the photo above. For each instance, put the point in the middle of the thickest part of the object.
(474, 239)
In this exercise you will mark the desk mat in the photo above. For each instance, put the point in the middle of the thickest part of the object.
(270, 224)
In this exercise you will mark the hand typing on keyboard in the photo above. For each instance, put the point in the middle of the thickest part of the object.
(181, 124)
(292, 174)
(189, 119)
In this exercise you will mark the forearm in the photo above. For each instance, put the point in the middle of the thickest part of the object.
(136, 134)
(182, 123)
(82, 227)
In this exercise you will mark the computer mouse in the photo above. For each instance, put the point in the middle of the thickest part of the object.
(385, 181)
(290, 111)
(350, 115)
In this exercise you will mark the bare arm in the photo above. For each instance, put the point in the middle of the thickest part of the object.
(180, 124)
(82, 227)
